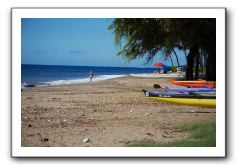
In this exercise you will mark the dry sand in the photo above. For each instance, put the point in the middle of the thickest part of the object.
(106, 113)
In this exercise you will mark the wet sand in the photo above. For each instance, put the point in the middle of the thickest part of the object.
(106, 113)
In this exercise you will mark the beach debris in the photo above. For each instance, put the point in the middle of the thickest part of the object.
(130, 111)
(156, 86)
(30, 135)
(45, 140)
(29, 125)
(30, 85)
(39, 135)
(64, 120)
(165, 134)
(86, 140)
(63, 124)
(125, 142)
(102, 129)
(149, 134)
(175, 130)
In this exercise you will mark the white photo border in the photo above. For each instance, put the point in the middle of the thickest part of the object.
(218, 13)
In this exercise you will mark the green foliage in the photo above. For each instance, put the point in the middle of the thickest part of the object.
(173, 68)
(148, 37)
(200, 130)
(140, 37)
(145, 37)
(180, 143)
(200, 69)
(203, 135)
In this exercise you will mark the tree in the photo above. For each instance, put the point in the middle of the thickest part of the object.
(136, 37)
(176, 56)
(148, 37)
(171, 61)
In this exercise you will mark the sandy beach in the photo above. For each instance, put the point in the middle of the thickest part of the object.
(106, 113)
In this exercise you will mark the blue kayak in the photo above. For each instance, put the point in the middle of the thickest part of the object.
(186, 90)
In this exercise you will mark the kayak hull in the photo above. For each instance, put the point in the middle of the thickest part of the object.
(189, 101)
(183, 90)
(195, 84)
(178, 95)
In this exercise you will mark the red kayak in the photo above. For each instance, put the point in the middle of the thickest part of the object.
(195, 84)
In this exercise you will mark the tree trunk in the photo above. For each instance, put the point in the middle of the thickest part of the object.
(211, 65)
(171, 60)
(185, 54)
(205, 61)
(176, 57)
(201, 60)
(190, 62)
(197, 66)
(211, 58)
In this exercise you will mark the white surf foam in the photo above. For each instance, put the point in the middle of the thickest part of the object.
(152, 75)
(84, 80)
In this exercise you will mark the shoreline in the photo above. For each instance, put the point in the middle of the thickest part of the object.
(96, 79)
(110, 113)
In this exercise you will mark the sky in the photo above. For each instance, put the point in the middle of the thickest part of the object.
(75, 41)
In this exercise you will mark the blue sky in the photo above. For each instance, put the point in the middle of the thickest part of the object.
(79, 42)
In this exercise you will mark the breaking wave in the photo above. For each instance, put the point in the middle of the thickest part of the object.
(84, 80)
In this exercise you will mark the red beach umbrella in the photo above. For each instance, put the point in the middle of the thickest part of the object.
(158, 64)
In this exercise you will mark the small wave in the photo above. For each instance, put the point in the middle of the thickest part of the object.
(155, 75)
(84, 80)
(31, 85)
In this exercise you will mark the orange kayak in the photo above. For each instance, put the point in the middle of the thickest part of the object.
(197, 83)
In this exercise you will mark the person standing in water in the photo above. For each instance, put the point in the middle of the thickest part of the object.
(91, 76)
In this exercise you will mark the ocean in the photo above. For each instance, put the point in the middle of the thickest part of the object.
(56, 75)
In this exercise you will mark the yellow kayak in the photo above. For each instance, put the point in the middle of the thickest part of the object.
(189, 101)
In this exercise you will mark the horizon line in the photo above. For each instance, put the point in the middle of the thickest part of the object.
(152, 67)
